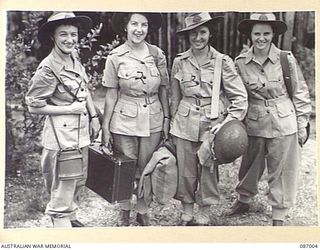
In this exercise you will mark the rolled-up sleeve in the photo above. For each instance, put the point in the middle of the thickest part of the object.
(234, 90)
(42, 86)
(162, 67)
(300, 93)
(110, 74)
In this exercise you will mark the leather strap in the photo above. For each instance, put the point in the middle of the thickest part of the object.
(286, 71)
(216, 80)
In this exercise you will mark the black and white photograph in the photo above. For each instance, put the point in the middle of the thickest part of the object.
(160, 119)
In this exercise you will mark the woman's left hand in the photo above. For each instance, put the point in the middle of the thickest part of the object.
(166, 127)
(302, 136)
(94, 128)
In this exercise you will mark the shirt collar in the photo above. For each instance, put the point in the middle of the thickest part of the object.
(273, 55)
(58, 62)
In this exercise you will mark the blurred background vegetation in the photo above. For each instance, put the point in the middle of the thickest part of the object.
(24, 52)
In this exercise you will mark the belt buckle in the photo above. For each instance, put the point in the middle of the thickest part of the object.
(198, 101)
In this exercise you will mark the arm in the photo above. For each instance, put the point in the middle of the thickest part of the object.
(234, 90)
(175, 88)
(94, 122)
(300, 98)
(110, 102)
(163, 93)
(163, 97)
(72, 109)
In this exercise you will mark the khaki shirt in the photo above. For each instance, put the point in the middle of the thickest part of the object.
(191, 121)
(46, 89)
(138, 111)
(278, 116)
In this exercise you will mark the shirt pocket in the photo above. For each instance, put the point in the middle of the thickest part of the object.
(66, 121)
(127, 74)
(253, 83)
(187, 80)
(275, 85)
(253, 113)
(207, 78)
(154, 72)
(285, 109)
(126, 109)
(183, 110)
(63, 94)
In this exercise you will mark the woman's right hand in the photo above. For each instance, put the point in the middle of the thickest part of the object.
(77, 108)
(107, 142)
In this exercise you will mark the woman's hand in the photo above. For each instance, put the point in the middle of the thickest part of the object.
(107, 142)
(302, 136)
(77, 108)
(94, 128)
(166, 127)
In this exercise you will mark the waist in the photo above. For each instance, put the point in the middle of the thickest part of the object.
(269, 102)
(148, 98)
(199, 101)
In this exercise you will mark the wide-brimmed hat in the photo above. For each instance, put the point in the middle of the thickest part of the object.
(278, 26)
(84, 24)
(118, 25)
(194, 20)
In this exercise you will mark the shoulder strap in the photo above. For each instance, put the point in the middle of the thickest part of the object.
(64, 86)
(286, 71)
(216, 81)
(154, 52)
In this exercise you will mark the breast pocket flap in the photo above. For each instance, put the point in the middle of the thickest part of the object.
(183, 110)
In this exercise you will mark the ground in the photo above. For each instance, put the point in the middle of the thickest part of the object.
(25, 199)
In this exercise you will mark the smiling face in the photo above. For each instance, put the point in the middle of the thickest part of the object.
(261, 36)
(199, 37)
(137, 28)
(65, 38)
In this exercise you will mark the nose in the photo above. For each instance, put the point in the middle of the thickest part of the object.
(198, 36)
(139, 28)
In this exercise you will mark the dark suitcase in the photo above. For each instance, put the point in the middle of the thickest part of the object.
(111, 177)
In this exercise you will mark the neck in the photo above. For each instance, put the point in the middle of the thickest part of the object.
(261, 53)
(201, 52)
(136, 46)
(61, 54)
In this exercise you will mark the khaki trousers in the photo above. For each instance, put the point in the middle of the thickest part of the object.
(63, 193)
(140, 149)
(196, 184)
(281, 156)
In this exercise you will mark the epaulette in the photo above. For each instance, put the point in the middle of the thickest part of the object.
(243, 55)
(122, 49)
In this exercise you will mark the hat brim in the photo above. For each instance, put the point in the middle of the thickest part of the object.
(84, 24)
(117, 22)
(210, 23)
(245, 26)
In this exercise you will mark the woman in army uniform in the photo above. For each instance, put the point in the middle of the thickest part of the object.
(199, 105)
(69, 113)
(136, 104)
(276, 123)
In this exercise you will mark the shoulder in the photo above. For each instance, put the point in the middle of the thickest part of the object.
(119, 51)
(242, 56)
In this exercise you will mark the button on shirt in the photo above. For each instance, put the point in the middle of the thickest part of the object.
(45, 89)
(138, 82)
(278, 115)
(191, 122)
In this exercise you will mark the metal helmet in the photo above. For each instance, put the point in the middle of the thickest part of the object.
(230, 142)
